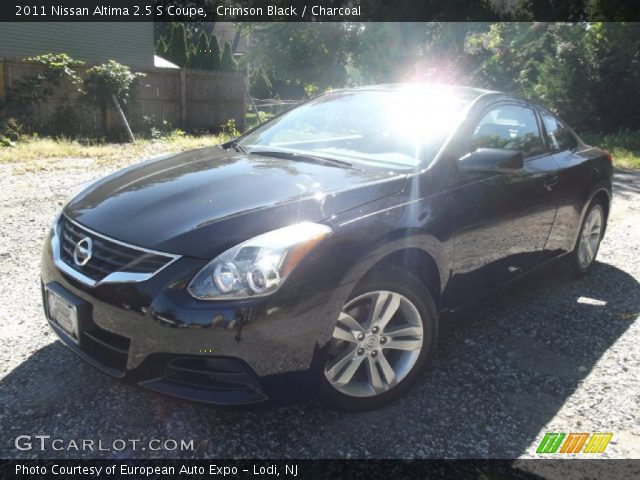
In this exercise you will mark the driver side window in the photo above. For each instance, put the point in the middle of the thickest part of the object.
(509, 127)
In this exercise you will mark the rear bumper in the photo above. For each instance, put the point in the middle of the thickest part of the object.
(157, 336)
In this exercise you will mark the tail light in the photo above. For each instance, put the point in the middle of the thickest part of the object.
(609, 157)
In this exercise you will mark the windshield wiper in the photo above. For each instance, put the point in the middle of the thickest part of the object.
(303, 157)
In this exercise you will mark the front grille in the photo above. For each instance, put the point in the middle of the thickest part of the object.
(107, 256)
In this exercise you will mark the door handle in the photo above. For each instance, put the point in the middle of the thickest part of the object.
(551, 181)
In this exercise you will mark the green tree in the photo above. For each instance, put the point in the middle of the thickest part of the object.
(199, 53)
(299, 54)
(383, 52)
(227, 62)
(260, 85)
(615, 92)
(178, 51)
(162, 47)
(568, 67)
(212, 58)
(567, 74)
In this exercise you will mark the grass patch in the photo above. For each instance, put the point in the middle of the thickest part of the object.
(623, 145)
(34, 154)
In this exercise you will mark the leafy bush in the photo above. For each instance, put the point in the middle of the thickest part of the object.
(229, 129)
(59, 67)
(165, 132)
(624, 139)
(11, 131)
(111, 78)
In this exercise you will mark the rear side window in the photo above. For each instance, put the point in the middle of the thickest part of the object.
(509, 127)
(559, 136)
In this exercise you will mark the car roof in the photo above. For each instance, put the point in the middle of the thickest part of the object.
(463, 92)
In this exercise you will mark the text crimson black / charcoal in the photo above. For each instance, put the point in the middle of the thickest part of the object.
(290, 11)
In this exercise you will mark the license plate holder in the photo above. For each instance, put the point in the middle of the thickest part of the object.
(65, 311)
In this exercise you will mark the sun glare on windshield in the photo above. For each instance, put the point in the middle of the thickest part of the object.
(418, 113)
(397, 128)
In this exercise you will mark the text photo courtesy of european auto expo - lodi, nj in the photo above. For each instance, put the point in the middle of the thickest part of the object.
(319, 239)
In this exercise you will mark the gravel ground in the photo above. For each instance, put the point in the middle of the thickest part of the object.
(551, 355)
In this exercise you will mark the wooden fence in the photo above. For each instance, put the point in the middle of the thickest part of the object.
(187, 99)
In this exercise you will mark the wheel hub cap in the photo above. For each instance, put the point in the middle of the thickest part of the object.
(371, 342)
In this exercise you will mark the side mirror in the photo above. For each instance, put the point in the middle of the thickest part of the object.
(492, 160)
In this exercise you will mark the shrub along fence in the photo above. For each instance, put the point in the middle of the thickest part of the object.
(188, 99)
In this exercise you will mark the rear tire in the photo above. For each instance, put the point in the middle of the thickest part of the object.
(385, 337)
(583, 257)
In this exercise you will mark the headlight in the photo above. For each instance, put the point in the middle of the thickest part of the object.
(258, 266)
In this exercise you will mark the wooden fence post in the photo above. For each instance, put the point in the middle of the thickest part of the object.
(183, 97)
(123, 119)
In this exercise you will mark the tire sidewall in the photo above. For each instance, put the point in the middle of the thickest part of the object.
(578, 269)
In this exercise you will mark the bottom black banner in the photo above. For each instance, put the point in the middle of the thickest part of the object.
(320, 469)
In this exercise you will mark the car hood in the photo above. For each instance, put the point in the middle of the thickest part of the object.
(201, 202)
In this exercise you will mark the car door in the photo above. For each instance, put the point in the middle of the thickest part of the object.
(502, 220)
(576, 180)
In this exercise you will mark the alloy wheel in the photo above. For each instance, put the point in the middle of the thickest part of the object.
(376, 343)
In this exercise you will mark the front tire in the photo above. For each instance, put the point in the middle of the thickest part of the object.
(584, 254)
(385, 337)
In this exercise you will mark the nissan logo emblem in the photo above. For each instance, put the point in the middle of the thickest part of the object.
(82, 252)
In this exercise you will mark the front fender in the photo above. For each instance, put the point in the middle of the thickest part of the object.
(397, 241)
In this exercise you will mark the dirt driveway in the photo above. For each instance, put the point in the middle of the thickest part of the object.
(552, 355)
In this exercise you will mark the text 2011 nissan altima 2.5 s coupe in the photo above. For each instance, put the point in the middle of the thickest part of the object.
(321, 247)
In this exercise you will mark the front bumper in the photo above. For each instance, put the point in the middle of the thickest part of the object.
(154, 334)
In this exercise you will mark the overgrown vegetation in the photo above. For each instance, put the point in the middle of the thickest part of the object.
(624, 146)
(58, 67)
(77, 97)
(18, 111)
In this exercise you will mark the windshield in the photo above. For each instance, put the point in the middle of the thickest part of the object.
(383, 128)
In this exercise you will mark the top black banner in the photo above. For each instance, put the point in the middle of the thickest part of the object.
(316, 10)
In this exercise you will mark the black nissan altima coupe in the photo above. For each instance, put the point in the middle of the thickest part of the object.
(323, 248)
